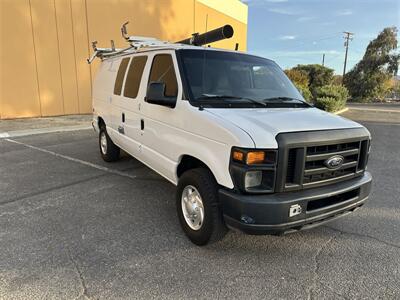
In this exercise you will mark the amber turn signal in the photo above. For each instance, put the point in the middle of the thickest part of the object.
(255, 157)
(237, 155)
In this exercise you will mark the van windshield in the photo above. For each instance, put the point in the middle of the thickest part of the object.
(225, 77)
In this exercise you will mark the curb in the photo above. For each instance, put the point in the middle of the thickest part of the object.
(341, 111)
(19, 133)
(376, 110)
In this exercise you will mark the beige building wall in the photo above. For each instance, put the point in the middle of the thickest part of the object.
(44, 44)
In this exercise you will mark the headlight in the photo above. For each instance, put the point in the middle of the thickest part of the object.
(252, 179)
(253, 171)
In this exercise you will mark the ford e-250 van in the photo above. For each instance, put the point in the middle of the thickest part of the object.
(234, 135)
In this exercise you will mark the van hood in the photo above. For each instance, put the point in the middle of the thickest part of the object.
(263, 124)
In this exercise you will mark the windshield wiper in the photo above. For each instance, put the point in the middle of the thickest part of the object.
(211, 96)
(285, 99)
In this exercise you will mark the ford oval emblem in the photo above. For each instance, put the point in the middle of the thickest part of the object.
(334, 162)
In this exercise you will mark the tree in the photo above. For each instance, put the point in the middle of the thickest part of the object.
(368, 78)
(318, 75)
(393, 88)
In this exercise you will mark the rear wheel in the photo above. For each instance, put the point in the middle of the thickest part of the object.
(197, 207)
(108, 150)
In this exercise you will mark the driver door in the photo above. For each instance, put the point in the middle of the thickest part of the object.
(159, 124)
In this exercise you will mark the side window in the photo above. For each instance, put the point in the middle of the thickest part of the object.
(163, 70)
(134, 76)
(120, 76)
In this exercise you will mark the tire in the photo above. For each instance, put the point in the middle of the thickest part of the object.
(109, 151)
(212, 228)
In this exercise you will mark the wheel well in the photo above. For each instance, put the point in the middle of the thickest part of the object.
(189, 162)
(101, 122)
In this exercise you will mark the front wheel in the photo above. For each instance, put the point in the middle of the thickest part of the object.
(108, 150)
(197, 207)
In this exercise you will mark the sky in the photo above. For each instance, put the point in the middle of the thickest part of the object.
(295, 32)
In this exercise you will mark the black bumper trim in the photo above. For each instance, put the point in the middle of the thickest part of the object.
(269, 214)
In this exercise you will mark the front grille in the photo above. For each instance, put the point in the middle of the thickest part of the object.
(315, 169)
(303, 157)
(291, 165)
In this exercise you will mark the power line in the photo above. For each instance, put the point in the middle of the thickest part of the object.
(308, 41)
(332, 57)
(317, 38)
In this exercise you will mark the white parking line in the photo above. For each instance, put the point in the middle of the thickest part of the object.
(82, 162)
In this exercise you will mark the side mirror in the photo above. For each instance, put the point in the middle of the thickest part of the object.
(156, 95)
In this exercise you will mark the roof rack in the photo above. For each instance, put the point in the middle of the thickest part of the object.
(135, 43)
(138, 42)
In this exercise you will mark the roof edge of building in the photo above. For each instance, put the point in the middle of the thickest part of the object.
(232, 8)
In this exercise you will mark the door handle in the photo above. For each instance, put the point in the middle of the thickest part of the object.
(123, 117)
(141, 124)
(121, 129)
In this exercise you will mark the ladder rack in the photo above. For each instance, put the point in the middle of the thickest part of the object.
(138, 42)
(135, 43)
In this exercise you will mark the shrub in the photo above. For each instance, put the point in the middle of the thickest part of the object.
(318, 75)
(331, 97)
(337, 79)
(305, 91)
(297, 77)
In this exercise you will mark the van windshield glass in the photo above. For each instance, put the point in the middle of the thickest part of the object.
(217, 76)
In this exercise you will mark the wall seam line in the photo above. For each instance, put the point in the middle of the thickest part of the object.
(36, 66)
(59, 57)
(90, 66)
(194, 16)
(76, 68)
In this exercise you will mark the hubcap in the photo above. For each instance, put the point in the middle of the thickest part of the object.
(192, 207)
(103, 142)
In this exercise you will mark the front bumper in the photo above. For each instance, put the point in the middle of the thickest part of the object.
(269, 214)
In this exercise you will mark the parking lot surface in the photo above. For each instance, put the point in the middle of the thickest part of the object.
(75, 227)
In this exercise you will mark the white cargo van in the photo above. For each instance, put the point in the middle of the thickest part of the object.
(234, 135)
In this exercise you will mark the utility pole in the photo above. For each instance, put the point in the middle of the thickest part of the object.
(323, 59)
(348, 37)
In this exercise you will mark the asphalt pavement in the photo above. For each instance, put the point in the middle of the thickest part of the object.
(373, 112)
(75, 227)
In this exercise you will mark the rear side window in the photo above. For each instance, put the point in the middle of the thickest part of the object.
(163, 70)
(134, 76)
(120, 76)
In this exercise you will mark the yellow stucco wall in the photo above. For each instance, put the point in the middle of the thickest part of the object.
(44, 44)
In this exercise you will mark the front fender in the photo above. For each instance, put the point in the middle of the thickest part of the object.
(217, 160)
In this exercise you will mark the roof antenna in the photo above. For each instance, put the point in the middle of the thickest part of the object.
(124, 32)
(237, 47)
(204, 63)
(206, 26)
